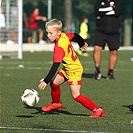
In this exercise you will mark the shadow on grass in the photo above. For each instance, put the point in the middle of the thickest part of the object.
(64, 112)
(29, 116)
(24, 116)
(91, 75)
(39, 111)
(130, 107)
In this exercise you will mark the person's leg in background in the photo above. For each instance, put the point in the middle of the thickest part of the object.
(99, 44)
(97, 61)
(41, 33)
(113, 43)
(29, 39)
(112, 62)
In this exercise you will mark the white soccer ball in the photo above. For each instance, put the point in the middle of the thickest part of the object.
(30, 97)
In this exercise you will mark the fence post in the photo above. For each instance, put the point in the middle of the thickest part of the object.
(127, 32)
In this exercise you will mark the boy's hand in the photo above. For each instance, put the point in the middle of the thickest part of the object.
(42, 85)
(44, 18)
(84, 48)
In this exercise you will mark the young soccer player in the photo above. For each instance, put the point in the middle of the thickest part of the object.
(71, 72)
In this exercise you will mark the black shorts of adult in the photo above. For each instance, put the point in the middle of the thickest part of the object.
(30, 31)
(112, 40)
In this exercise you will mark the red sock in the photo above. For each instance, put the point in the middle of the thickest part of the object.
(86, 102)
(55, 92)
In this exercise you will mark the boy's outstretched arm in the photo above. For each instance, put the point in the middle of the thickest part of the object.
(49, 76)
(84, 48)
(77, 38)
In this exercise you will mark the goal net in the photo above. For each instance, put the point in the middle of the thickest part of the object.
(11, 29)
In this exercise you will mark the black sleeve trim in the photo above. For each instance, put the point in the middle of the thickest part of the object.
(77, 38)
(51, 73)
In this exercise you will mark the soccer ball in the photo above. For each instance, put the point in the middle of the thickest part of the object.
(30, 97)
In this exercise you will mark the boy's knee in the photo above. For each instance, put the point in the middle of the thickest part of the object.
(53, 86)
(77, 97)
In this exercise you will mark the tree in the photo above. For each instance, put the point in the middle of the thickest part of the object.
(68, 15)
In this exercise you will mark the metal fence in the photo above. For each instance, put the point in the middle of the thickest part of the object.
(11, 31)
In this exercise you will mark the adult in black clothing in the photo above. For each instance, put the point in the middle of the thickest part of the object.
(107, 13)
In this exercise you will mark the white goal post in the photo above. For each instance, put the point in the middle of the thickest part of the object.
(20, 25)
(11, 36)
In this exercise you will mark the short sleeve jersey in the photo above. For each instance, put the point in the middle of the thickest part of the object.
(83, 30)
(64, 52)
(33, 24)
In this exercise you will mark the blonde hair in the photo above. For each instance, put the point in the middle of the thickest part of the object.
(54, 23)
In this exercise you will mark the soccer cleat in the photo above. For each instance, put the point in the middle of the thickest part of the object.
(130, 107)
(110, 77)
(97, 75)
(98, 113)
(52, 106)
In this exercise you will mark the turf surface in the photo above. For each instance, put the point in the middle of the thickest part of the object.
(113, 96)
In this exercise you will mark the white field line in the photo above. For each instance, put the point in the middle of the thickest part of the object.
(50, 130)
(24, 62)
(50, 62)
(47, 68)
(28, 68)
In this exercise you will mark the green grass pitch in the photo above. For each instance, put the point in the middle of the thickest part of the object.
(113, 96)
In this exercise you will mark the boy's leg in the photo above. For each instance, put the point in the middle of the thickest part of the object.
(55, 93)
(86, 102)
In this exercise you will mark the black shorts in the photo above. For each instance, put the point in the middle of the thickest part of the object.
(30, 31)
(112, 40)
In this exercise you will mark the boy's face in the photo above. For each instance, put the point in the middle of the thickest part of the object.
(53, 33)
(36, 11)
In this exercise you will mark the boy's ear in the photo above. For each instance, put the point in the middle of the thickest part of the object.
(59, 32)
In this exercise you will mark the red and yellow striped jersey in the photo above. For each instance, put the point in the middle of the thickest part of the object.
(64, 52)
